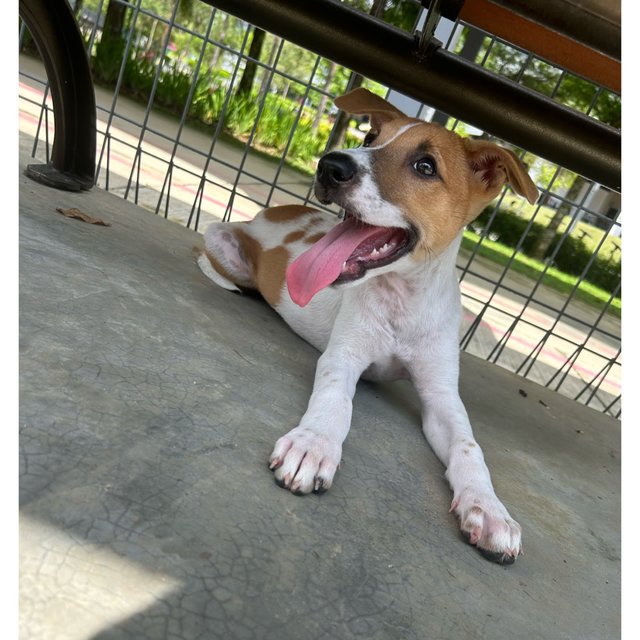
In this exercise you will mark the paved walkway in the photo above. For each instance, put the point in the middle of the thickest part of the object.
(149, 403)
(255, 185)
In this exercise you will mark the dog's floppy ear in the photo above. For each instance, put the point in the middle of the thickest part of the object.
(362, 102)
(493, 166)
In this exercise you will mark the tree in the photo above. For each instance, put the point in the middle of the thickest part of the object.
(249, 73)
(331, 72)
(541, 247)
(568, 89)
(112, 43)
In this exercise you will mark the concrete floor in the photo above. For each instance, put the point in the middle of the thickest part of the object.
(149, 403)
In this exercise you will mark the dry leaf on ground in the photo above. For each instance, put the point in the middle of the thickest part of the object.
(81, 215)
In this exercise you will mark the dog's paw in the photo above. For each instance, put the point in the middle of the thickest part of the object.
(304, 461)
(486, 523)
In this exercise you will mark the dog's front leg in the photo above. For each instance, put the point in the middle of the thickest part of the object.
(484, 520)
(307, 458)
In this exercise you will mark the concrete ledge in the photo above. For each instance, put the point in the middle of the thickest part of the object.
(150, 401)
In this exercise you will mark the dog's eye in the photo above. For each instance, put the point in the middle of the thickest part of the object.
(425, 167)
(369, 138)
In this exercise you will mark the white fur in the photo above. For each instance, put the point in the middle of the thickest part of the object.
(391, 140)
(210, 272)
(393, 325)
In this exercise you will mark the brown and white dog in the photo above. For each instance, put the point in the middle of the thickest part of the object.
(378, 294)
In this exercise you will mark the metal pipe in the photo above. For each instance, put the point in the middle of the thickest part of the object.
(444, 81)
(56, 34)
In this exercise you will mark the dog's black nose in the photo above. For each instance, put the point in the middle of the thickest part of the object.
(336, 169)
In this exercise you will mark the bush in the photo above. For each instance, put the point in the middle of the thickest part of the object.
(138, 77)
(108, 59)
(307, 144)
(173, 89)
(279, 116)
(277, 119)
(241, 114)
(572, 257)
(208, 99)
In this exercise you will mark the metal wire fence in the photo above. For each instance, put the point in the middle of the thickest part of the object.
(175, 137)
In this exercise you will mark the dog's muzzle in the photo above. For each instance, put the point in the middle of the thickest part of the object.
(336, 170)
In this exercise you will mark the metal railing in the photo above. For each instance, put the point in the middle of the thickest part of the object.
(188, 163)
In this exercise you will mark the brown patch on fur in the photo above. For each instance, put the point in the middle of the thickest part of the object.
(314, 238)
(268, 267)
(493, 166)
(294, 236)
(286, 213)
(314, 221)
(437, 206)
(361, 101)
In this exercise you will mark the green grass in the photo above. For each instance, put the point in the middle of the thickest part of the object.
(553, 278)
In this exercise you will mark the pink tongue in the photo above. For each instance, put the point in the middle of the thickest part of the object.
(320, 265)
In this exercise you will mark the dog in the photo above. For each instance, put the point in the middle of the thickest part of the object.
(377, 293)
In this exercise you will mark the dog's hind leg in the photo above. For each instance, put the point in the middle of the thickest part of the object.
(224, 258)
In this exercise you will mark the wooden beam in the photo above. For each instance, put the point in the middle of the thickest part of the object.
(543, 42)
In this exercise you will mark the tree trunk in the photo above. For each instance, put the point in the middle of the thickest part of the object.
(266, 74)
(111, 47)
(541, 247)
(220, 38)
(355, 80)
(343, 118)
(322, 105)
(249, 73)
(114, 20)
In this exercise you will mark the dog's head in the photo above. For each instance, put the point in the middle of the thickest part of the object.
(407, 192)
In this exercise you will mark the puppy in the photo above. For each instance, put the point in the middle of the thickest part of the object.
(378, 294)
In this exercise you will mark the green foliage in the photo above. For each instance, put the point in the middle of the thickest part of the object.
(277, 120)
(241, 114)
(138, 77)
(208, 99)
(572, 256)
(173, 89)
(535, 270)
(400, 13)
(307, 144)
(536, 74)
(108, 59)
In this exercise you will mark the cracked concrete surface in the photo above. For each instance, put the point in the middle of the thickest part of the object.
(149, 403)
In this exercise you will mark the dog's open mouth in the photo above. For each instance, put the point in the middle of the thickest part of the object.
(381, 246)
(344, 254)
